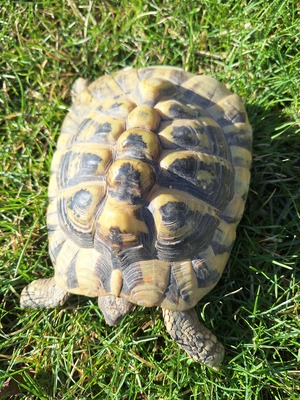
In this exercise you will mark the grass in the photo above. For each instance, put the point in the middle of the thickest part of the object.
(69, 353)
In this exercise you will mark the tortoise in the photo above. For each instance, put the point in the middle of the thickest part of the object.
(147, 187)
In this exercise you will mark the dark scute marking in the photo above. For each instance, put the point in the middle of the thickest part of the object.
(144, 214)
(123, 256)
(178, 77)
(218, 143)
(83, 239)
(103, 269)
(135, 141)
(84, 124)
(131, 278)
(103, 128)
(205, 276)
(127, 174)
(54, 251)
(122, 253)
(187, 167)
(63, 172)
(72, 281)
(86, 172)
(236, 116)
(184, 136)
(219, 248)
(172, 291)
(244, 196)
(229, 220)
(232, 117)
(89, 163)
(180, 175)
(170, 179)
(185, 296)
(51, 228)
(99, 130)
(115, 236)
(182, 112)
(193, 97)
(175, 214)
(116, 105)
(80, 200)
(207, 139)
(127, 185)
(184, 244)
(126, 257)
(240, 139)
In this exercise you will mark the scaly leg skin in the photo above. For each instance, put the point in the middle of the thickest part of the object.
(193, 337)
(43, 293)
(113, 308)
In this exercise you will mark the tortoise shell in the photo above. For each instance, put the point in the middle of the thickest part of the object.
(148, 184)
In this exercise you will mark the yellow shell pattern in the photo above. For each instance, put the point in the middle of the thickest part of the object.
(148, 184)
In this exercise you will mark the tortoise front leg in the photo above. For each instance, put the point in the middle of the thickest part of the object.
(193, 337)
(43, 293)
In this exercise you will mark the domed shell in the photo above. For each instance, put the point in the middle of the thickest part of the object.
(148, 184)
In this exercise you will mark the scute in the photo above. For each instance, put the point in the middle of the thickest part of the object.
(82, 163)
(138, 143)
(76, 211)
(184, 226)
(130, 180)
(148, 184)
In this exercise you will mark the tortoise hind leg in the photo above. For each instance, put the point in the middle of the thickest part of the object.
(193, 337)
(43, 293)
(113, 308)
